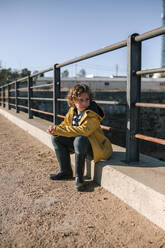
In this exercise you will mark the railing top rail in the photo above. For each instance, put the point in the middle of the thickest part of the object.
(95, 53)
(151, 34)
(150, 71)
(141, 37)
(40, 72)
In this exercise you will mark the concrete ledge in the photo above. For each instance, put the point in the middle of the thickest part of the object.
(139, 196)
(141, 185)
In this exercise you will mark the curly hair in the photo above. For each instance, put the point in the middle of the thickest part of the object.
(76, 92)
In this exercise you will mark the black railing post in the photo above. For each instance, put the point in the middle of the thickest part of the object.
(56, 93)
(4, 97)
(0, 96)
(8, 89)
(16, 97)
(133, 96)
(30, 94)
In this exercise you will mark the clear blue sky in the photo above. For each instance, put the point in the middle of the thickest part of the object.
(36, 34)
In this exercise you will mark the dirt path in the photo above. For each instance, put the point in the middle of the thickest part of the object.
(37, 212)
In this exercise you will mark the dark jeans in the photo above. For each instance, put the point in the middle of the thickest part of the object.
(79, 145)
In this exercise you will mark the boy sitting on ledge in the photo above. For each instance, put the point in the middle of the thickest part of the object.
(80, 132)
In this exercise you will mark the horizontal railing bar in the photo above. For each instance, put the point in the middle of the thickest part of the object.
(149, 105)
(41, 99)
(3, 86)
(13, 82)
(12, 104)
(148, 138)
(20, 97)
(12, 97)
(156, 70)
(33, 75)
(151, 34)
(26, 78)
(97, 101)
(41, 86)
(6, 85)
(110, 102)
(22, 106)
(21, 89)
(22, 79)
(94, 53)
(40, 72)
(61, 100)
(60, 116)
(42, 112)
(107, 128)
(12, 90)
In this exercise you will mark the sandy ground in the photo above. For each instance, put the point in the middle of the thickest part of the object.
(38, 212)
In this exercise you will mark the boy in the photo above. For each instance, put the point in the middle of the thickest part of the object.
(80, 132)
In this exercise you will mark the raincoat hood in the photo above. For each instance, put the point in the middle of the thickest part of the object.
(96, 108)
(93, 111)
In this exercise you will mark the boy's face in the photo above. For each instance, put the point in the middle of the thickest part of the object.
(82, 102)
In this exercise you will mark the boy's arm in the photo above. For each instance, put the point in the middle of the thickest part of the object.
(85, 129)
(63, 123)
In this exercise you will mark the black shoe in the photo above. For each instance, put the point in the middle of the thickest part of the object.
(79, 183)
(61, 176)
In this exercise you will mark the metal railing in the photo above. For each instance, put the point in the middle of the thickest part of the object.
(134, 73)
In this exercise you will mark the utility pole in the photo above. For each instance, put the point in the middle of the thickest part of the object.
(117, 69)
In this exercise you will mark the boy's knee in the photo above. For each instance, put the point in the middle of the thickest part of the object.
(52, 138)
(55, 142)
(81, 144)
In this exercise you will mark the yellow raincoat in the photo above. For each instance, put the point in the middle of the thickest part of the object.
(89, 127)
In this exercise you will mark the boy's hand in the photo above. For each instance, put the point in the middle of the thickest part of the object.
(51, 129)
